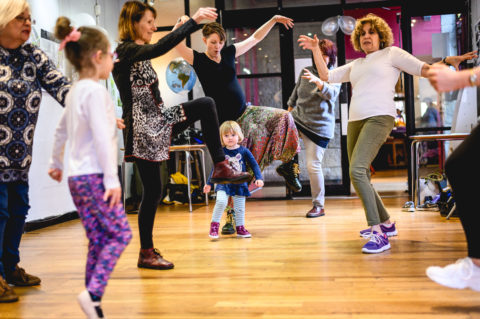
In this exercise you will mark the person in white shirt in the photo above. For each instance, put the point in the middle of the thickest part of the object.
(461, 169)
(372, 110)
(89, 124)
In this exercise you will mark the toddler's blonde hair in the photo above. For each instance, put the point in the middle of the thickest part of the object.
(231, 127)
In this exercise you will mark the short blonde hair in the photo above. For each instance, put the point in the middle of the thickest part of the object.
(9, 9)
(379, 25)
(231, 127)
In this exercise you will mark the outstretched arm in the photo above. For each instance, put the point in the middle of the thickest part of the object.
(308, 43)
(451, 60)
(182, 48)
(261, 33)
(444, 79)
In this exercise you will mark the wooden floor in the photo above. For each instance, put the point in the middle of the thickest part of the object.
(292, 267)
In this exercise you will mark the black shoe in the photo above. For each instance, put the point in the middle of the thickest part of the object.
(291, 172)
(229, 227)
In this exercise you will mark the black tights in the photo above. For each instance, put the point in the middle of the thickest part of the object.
(463, 172)
(202, 109)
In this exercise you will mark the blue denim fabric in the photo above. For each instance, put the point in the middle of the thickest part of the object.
(13, 212)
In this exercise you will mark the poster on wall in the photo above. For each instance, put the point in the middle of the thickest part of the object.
(47, 42)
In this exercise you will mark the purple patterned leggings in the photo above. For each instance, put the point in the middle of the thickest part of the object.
(107, 229)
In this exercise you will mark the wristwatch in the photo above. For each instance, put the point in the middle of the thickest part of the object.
(472, 78)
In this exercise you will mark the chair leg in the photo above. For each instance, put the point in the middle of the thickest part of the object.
(451, 211)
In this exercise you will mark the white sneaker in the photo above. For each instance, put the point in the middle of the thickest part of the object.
(462, 274)
(91, 308)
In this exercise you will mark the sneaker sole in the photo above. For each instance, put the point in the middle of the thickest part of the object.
(244, 236)
(409, 209)
(214, 237)
(386, 247)
(155, 268)
(389, 234)
(15, 299)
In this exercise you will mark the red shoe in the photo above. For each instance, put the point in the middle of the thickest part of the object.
(152, 259)
(214, 230)
(223, 173)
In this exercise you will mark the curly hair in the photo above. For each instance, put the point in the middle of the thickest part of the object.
(379, 25)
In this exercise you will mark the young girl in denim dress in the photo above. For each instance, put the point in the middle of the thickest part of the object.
(238, 157)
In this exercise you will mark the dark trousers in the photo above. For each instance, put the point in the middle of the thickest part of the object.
(463, 172)
(202, 109)
(13, 212)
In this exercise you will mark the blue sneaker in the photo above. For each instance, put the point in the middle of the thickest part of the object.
(390, 231)
(377, 244)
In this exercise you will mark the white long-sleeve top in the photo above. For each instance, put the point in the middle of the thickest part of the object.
(373, 81)
(89, 124)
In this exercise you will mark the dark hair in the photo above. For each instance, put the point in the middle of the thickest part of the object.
(329, 49)
(214, 27)
(132, 11)
(79, 52)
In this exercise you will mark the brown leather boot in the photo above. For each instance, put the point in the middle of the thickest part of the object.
(315, 212)
(223, 173)
(19, 277)
(152, 259)
(7, 294)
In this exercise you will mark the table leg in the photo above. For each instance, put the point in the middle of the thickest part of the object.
(189, 176)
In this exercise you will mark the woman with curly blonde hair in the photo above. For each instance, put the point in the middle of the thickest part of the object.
(372, 110)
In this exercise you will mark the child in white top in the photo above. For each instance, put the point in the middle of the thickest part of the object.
(89, 124)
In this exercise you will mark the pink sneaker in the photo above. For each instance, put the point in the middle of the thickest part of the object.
(242, 232)
(214, 230)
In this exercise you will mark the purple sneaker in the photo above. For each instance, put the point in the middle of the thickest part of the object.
(214, 230)
(390, 231)
(242, 232)
(376, 244)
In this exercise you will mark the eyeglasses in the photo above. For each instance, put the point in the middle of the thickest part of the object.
(23, 19)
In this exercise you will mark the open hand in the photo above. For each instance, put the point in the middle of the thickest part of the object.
(287, 22)
(310, 77)
(307, 43)
(114, 194)
(206, 13)
(456, 60)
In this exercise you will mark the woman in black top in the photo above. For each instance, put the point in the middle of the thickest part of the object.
(270, 133)
(149, 123)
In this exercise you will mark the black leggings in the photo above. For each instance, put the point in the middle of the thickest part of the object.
(202, 109)
(463, 172)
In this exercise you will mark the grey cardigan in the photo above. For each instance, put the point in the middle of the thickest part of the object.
(314, 110)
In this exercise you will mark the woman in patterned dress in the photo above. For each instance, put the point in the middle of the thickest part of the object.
(149, 123)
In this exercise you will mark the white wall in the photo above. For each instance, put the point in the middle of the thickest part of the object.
(49, 198)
